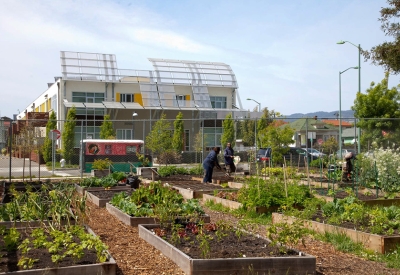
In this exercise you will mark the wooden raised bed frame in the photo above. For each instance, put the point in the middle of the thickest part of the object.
(378, 243)
(239, 266)
(135, 221)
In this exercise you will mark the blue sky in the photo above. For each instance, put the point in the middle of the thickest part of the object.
(284, 53)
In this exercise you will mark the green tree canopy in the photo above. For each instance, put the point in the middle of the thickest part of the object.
(47, 145)
(106, 129)
(247, 131)
(378, 110)
(228, 131)
(265, 120)
(159, 138)
(68, 135)
(278, 138)
(177, 138)
(387, 54)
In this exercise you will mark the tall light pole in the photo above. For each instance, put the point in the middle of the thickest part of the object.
(340, 109)
(359, 85)
(259, 104)
(133, 124)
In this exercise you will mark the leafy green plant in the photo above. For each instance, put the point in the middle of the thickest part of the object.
(119, 176)
(108, 181)
(204, 244)
(272, 192)
(156, 200)
(11, 239)
(101, 164)
(286, 234)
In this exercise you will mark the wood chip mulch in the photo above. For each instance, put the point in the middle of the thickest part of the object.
(135, 256)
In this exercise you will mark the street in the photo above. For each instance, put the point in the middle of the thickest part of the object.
(20, 167)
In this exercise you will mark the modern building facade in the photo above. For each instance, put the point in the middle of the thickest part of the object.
(205, 92)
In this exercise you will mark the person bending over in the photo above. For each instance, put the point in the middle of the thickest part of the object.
(209, 163)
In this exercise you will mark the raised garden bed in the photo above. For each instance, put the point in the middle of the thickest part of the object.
(367, 199)
(235, 205)
(135, 221)
(190, 190)
(101, 197)
(378, 243)
(81, 190)
(248, 255)
(87, 265)
(226, 203)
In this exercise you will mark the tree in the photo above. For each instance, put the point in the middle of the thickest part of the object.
(247, 130)
(159, 139)
(265, 120)
(387, 54)
(278, 138)
(377, 111)
(68, 135)
(228, 132)
(330, 146)
(106, 129)
(47, 145)
(177, 138)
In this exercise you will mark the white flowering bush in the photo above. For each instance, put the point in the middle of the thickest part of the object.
(386, 162)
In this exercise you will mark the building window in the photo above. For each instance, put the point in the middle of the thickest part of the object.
(124, 134)
(218, 102)
(127, 98)
(87, 97)
(53, 103)
(212, 137)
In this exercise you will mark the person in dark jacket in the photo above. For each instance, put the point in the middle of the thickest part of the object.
(209, 163)
(349, 158)
(228, 157)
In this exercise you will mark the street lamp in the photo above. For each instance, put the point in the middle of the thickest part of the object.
(133, 125)
(340, 108)
(359, 84)
(259, 104)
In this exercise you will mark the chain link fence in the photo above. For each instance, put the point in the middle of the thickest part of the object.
(29, 151)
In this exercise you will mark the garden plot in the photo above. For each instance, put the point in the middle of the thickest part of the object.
(101, 197)
(378, 243)
(195, 190)
(213, 250)
(73, 250)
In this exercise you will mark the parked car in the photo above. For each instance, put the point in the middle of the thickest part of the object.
(295, 154)
(263, 154)
(315, 152)
(298, 156)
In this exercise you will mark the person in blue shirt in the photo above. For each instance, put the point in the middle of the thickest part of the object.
(209, 162)
(228, 157)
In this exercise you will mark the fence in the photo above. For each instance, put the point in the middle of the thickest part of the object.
(31, 147)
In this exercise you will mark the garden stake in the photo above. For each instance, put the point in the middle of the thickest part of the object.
(376, 179)
(284, 179)
(308, 172)
(320, 169)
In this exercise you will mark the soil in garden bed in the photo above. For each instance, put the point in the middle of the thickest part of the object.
(195, 186)
(319, 217)
(9, 260)
(108, 194)
(228, 245)
(232, 196)
(341, 194)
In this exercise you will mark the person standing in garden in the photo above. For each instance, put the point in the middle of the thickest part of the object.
(209, 163)
(228, 156)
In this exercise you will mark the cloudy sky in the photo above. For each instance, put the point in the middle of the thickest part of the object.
(284, 53)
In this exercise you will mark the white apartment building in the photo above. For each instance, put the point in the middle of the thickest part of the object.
(205, 92)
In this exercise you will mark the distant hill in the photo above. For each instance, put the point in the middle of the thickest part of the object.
(320, 115)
